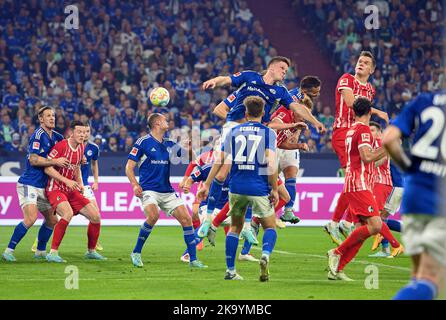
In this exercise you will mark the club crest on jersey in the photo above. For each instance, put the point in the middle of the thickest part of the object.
(273, 91)
(89, 153)
(36, 145)
(237, 74)
(371, 209)
(53, 153)
(231, 98)
(134, 151)
(365, 137)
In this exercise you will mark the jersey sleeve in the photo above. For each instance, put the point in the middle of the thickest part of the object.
(231, 100)
(282, 115)
(35, 145)
(57, 151)
(286, 99)
(296, 94)
(271, 140)
(226, 144)
(95, 154)
(406, 119)
(364, 137)
(136, 152)
(237, 79)
(345, 82)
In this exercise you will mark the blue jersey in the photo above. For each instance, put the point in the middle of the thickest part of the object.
(91, 153)
(201, 173)
(154, 158)
(40, 143)
(425, 118)
(246, 146)
(250, 83)
(397, 175)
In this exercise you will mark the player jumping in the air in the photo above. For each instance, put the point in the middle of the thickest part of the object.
(424, 201)
(64, 192)
(32, 183)
(349, 87)
(358, 191)
(152, 154)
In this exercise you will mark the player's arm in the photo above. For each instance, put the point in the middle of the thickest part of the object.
(349, 99)
(188, 172)
(392, 143)
(37, 161)
(130, 173)
(218, 163)
(272, 175)
(187, 185)
(306, 114)
(53, 173)
(367, 154)
(220, 81)
(293, 146)
(95, 170)
(277, 124)
(78, 177)
(221, 110)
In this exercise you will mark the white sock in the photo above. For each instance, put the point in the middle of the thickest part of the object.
(9, 250)
(54, 251)
(334, 224)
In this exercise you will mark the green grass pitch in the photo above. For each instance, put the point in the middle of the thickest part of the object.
(297, 269)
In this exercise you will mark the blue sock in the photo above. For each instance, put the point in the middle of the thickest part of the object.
(269, 241)
(19, 233)
(247, 246)
(231, 249)
(385, 243)
(214, 195)
(189, 238)
(417, 290)
(197, 240)
(248, 214)
(43, 237)
(290, 185)
(394, 225)
(144, 233)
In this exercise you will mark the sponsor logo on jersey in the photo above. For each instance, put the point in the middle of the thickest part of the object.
(36, 145)
(365, 137)
(53, 153)
(197, 173)
(343, 82)
(134, 151)
(231, 98)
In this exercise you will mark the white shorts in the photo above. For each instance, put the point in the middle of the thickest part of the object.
(425, 233)
(167, 202)
(288, 158)
(261, 205)
(88, 193)
(393, 202)
(32, 195)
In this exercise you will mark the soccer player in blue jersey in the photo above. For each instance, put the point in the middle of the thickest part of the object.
(31, 185)
(248, 152)
(424, 201)
(153, 155)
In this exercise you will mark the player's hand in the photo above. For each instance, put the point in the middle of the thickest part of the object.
(383, 115)
(72, 185)
(320, 128)
(84, 160)
(137, 190)
(95, 186)
(61, 162)
(300, 125)
(182, 183)
(274, 197)
(303, 146)
(210, 84)
(81, 189)
(203, 192)
(186, 188)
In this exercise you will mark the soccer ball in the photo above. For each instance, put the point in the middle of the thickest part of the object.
(159, 97)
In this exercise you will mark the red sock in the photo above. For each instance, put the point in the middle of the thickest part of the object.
(385, 232)
(280, 204)
(59, 232)
(341, 206)
(360, 234)
(196, 223)
(226, 230)
(221, 216)
(93, 234)
(349, 255)
(256, 220)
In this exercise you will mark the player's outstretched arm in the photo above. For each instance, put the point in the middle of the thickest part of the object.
(272, 175)
(221, 110)
(276, 124)
(381, 114)
(130, 173)
(368, 155)
(38, 161)
(304, 113)
(392, 143)
(293, 146)
(95, 170)
(220, 81)
(52, 173)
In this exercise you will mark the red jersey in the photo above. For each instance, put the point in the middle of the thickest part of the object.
(205, 158)
(345, 116)
(64, 149)
(285, 116)
(383, 175)
(359, 176)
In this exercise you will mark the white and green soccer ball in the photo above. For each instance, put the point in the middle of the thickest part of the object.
(159, 97)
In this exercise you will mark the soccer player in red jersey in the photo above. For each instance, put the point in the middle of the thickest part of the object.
(348, 89)
(64, 192)
(358, 191)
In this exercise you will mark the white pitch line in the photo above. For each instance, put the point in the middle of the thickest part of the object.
(324, 257)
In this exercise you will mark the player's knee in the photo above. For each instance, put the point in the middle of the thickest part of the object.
(375, 226)
(30, 219)
(185, 220)
(50, 220)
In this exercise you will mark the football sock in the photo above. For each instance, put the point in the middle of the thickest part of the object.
(231, 249)
(290, 185)
(196, 223)
(417, 290)
(248, 217)
(247, 246)
(144, 233)
(358, 235)
(385, 245)
(340, 209)
(189, 238)
(59, 232)
(43, 237)
(394, 225)
(214, 196)
(19, 232)
(269, 241)
(279, 205)
(226, 230)
(94, 229)
(349, 255)
(385, 232)
(221, 216)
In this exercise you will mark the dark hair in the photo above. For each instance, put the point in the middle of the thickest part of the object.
(76, 123)
(279, 59)
(43, 109)
(370, 55)
(310, 82)
(152, 118)
(362, 106)
(375, 124)
(254, 106)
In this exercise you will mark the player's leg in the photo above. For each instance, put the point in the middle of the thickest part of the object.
(290, 171)
(91, 212)
(332, 227)
(64, 210)
(45, 232)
